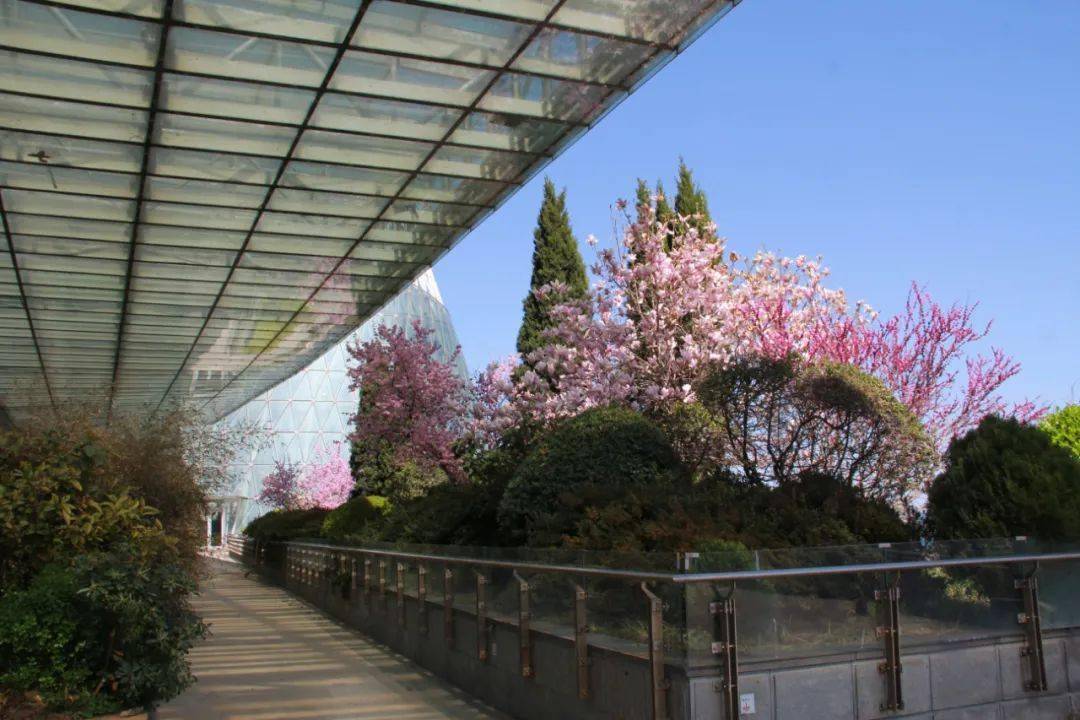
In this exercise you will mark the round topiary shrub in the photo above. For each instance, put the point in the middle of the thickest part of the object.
(1004, 479)
(281, 525)
(354, 517)
(594, 460)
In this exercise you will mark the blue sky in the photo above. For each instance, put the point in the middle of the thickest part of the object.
(918, 140)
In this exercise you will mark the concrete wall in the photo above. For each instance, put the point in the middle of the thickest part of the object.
(963, 681)
(975, 680)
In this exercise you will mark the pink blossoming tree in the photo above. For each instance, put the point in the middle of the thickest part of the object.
(325, 482)
(279, 487)
(660, 316)
(410, 401)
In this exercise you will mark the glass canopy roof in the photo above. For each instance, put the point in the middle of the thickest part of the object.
(200, 196)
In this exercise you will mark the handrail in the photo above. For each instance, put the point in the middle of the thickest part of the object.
(710, 577)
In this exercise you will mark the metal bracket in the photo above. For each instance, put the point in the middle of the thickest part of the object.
(448, 606)
(399, 580)
(725, 630)
(889, 631)
(1032, 624)
(581, 640)
(481, 618)
(524, 634)
(656, 655)
(421, 598)
(382, 584)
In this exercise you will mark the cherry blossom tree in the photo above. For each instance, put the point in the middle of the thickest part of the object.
(410, 401)
(670, 304)
(326, 481)
(279, 488)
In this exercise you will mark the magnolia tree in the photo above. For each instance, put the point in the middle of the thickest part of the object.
(670, 305)
(411, 403)
(325, 482)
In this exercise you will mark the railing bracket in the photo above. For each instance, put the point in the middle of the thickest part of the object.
(1031, 621)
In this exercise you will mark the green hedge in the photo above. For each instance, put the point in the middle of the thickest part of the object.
(279, 525)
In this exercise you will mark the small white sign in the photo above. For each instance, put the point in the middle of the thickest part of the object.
(747, 706)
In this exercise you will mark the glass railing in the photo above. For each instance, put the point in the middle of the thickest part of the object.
(698, 613)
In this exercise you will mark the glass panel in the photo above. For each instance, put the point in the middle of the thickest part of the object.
(70, 206)
(197, 216)
(318, 176)
(326, 202)
(70, 228)
(73, 79)
(70, 246)
(406, 79)
(237, 99)
(204, 192)
(581, 57)
(504, 132)
(317, 225)
(247, 58)
(213, 166)
(1059, 588)
(146, 8)
(68, 118)
(428, 212)
(384, 117)
(490, 164)
(265, 242)
(77, 34)
(543, 97)
(441, 34)
(362, 150)
(76, 152)
(450, 189)
(957, 604)
(325, 21)
(643, 19)
(225, 135)
(46, 177)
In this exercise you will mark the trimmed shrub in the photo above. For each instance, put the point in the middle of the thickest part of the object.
(451, 514)
(111, 632)
(1005, 479)
(583, 466)
(357, 517)
(281, 525)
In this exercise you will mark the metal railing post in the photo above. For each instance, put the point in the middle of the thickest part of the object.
(448, 605)
(1031, 621)
(481, 618)
(421, 598)
(399, 581)
(725, 630)
(889, 632)
(581, 640)
(659, 681)
(524, 634)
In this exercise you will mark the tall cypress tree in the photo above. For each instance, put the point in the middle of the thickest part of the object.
(664, 214)
(690, 201)
(643, 201)
(555, 258)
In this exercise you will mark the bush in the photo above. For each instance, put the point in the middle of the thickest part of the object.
(451, 514)
(279, 525)
(1006, 479)
(111, 632)
(360, 514)
(580, 467)
(1063, 427)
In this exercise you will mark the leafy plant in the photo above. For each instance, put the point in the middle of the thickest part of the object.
(279, 525)
(1004, 479)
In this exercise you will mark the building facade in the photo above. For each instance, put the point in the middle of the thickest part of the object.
(310, 412)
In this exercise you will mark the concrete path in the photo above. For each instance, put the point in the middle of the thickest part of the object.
(270, 656)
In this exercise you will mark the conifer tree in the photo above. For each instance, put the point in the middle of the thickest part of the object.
(555, 259)
(690, 201)
(643, 202)
(664, 213)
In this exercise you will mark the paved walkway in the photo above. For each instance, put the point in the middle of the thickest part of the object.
(270, 656)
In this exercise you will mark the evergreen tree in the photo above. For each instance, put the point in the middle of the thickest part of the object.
(555, 259)
(643, 202)
(664, 213)
(690, 201)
